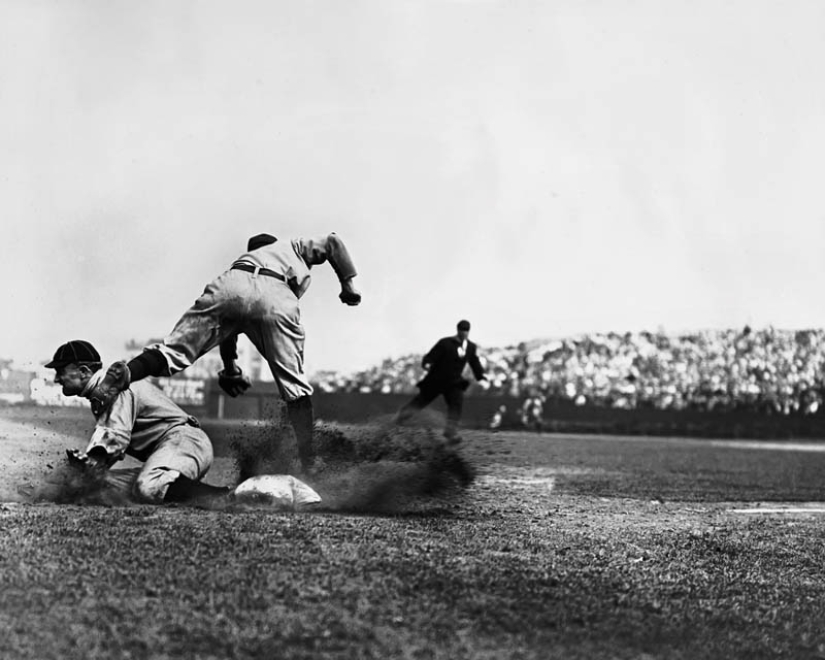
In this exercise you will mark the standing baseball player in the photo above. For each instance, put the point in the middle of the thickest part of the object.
(141, 422)
(532, 411)
(445, 365)
(258, 296)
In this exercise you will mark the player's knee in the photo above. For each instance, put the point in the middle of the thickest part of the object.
(148, 493)
(151, 488)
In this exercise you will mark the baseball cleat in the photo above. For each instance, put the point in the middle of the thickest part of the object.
(115, 381)
(316, 466)
(452, 438)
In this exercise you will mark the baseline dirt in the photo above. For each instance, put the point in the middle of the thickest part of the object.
(33, 442)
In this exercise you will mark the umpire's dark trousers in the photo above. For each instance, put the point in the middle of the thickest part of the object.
(427, 392)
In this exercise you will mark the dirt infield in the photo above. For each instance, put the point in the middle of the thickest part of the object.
(379, 468)
(33, 442)
(27, 451)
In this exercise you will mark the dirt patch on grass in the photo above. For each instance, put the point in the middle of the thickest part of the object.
(372, 468)
(377, 467)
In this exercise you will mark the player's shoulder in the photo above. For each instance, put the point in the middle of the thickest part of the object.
(145, 385)
(149, 393)
(143, 388)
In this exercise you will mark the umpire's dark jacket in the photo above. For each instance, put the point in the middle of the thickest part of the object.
(446, 365)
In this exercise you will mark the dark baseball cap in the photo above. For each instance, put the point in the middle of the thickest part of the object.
(76, 351)
(259, 240)
(463, 326)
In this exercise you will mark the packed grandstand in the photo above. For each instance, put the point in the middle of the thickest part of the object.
(766, 370)
(763, 370)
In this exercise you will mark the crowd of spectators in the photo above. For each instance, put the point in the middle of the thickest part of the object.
(766, 370)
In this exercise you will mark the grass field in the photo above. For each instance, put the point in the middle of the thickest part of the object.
(563, 547)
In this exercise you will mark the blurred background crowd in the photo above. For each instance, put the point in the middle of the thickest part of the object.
(767, 370)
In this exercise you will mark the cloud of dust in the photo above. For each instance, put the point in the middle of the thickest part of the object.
(378, 467)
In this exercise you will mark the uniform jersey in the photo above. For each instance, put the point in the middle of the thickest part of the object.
(261, 306)
(294, 259)
(144, 423)
(137, 420)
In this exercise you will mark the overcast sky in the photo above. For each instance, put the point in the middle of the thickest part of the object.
(541, 168)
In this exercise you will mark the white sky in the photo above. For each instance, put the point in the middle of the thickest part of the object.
(541, 168)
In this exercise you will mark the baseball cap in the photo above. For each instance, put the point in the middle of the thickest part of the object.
(259, 240)
(77, 351)
(463, 325)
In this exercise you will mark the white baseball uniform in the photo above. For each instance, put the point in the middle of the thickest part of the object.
(145, 423)
(263, 305)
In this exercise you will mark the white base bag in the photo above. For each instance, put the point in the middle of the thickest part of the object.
(277, 490)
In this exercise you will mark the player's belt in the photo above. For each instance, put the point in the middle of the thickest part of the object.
(249, 268)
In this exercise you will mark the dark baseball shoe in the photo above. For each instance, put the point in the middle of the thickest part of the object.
(315, 467)
(115, 381)
(452, 438)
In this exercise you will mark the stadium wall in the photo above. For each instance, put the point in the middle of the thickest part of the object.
(262, 402)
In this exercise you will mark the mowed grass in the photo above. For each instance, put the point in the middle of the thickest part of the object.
(694, 469)
(564, 547)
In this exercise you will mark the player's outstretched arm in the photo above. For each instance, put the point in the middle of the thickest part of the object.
(331, 248)
(344, 267)
(340, 258)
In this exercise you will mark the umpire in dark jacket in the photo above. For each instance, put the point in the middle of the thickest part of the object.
(445, 365)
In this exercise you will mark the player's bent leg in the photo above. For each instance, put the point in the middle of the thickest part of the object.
(454, 398)
(156, 360)
(451, 435)
(119, 376)
(151, 362)
(184, 489)
(122, 480)
(297, 392)
(152, 485)
(212, 318)
(405, 413)
(410, 409)
(279, 337)
(301, 418)
(184, 452)
(168, 486)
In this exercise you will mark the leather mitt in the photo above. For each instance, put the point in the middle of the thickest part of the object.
(233, 384)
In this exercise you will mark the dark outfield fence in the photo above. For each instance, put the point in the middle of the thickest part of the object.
(262, 402)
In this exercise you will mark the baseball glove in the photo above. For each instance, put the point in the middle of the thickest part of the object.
(233, 384)
(350, 297)
(349, 294)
